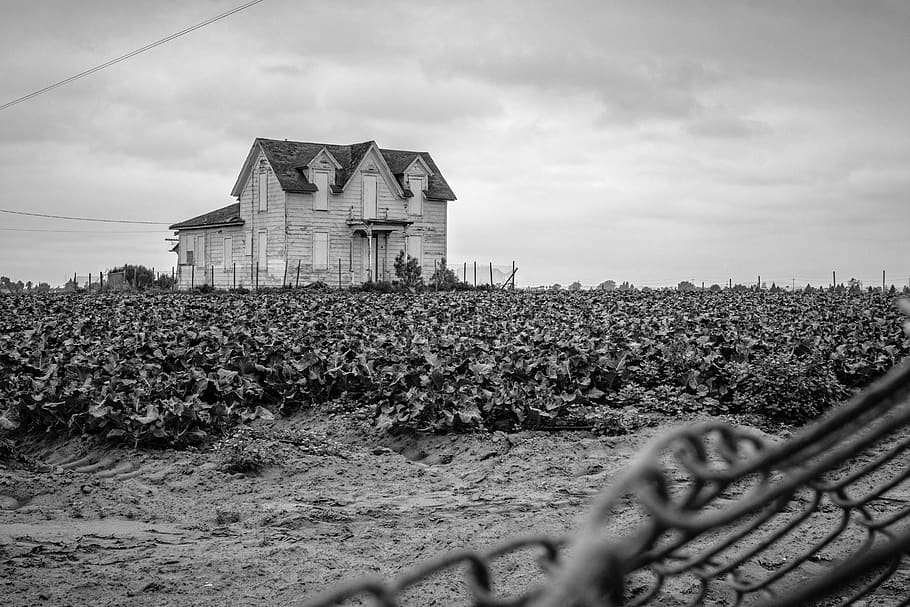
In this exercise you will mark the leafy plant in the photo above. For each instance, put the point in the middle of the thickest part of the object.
(174, 368)
(444, 278)
(408, 270)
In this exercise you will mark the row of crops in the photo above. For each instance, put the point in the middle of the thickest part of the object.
(174, 368)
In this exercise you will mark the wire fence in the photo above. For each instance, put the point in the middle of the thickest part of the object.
(724, 516)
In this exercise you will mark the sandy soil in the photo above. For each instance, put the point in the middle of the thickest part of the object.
(85, 525)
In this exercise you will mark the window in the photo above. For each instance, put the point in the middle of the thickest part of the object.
(415, 203)
(263, 188)
(369, 196)
(321, 251)
(415, 248)
(228, 256)
(262, 250)
(188, 244)
(321, 198)
(200, 250)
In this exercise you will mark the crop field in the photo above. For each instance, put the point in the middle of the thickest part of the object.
(177, 368)
(314, 436)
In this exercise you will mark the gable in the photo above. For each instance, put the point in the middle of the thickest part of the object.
(323, 160)
(418, 166)
(372, 161)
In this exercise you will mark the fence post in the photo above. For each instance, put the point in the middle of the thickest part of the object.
(101, 280)
(90, 282)
(464, 273)
(193, 277)
(339, 273)
(284, 279)
(513, 274)
(213, 276)
(173, 279)
(491, 274)
(297, 279)
(475, 273)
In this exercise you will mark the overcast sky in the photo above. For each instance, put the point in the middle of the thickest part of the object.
(642, 141)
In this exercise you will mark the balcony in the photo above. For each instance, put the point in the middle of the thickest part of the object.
(386, 219)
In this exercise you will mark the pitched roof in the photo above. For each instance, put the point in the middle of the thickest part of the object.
(399, 160)
(229, 215)
(289, 157)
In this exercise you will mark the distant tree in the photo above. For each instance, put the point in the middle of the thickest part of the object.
(740, 288)
(626, 286)
(444, 277)
(854, 285)
(892, 290)
(607, 285)
(556, 287)
(685, 285)
(43, 287)
(19, 286)
(809, 289)
(575, 286)
(28, 285)
(715, 288)
(137, 276)
(408, 270)
(775, 288)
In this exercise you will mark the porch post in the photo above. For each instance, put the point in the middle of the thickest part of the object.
(385, 258)
(370, 253)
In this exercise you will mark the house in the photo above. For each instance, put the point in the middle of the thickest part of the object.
(309, 212)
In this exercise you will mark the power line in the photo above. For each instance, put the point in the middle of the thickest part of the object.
(147, 47)
(85, 231)
(156, 223)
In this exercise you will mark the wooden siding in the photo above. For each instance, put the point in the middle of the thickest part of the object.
(272, 220)
(201, 273)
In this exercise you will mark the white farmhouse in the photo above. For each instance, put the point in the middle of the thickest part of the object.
(308, 212)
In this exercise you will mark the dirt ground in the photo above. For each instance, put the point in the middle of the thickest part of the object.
(84, 525)
(81, 524)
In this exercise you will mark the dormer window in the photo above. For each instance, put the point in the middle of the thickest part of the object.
(321, 196)
(417, 185)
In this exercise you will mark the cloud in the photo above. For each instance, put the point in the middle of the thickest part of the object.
(726, 127)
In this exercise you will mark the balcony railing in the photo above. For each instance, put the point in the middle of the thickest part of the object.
(382, 214)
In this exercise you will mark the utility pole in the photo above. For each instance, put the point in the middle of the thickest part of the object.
(833, 278)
